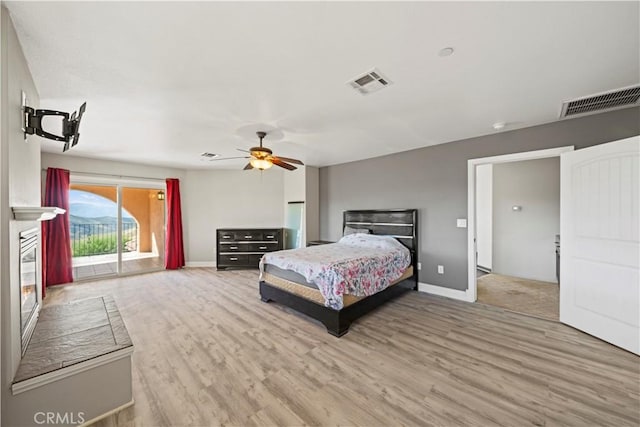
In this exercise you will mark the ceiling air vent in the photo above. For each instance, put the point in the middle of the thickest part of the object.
(208, 156)
(371, 81)
(606, 101)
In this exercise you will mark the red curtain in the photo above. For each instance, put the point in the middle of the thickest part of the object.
(56, 242)
(174, 248)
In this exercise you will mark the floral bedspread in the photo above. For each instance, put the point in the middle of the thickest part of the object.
(358, 264)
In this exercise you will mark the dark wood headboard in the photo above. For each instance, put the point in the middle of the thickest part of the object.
(399, 223)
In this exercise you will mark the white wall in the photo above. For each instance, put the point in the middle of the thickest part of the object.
(294, 185)
(295, 191)
(484, 215)
(228, 199)
(523, 241)
(19, 186)
(303, 185)
(210, 199)
(312, 193)
(96, 166)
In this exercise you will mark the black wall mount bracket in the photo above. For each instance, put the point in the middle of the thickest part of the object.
(32, 123)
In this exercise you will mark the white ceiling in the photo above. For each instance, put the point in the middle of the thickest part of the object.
(166, 81)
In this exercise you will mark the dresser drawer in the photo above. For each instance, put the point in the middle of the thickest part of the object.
(254, 259)
(262, 247)
(271, 235)
(232, 247)
(226, 236)
(230, 260)
(248, 235)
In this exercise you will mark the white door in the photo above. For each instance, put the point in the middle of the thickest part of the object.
(600, 242)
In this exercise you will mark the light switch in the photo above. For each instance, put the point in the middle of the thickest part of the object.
(462, 223)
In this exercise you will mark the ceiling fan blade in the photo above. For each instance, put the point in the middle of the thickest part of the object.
(282, 164)
(244, 151)
(247, 167)
(287, 159)
(229, 158)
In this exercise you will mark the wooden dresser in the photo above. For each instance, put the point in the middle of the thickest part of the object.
(243, 247)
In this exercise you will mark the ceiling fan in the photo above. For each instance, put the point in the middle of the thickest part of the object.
(262, 158)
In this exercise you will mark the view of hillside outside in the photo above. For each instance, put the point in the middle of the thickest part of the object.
(93, 223)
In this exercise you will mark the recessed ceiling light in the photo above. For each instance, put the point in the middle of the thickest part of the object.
(499, 125)
(447, 51)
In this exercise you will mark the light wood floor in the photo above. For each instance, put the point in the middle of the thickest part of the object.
(533, 297)
(209, 352)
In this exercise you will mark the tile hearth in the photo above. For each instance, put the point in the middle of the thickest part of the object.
(72, 333)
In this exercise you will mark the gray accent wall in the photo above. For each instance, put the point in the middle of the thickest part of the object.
(434, 180)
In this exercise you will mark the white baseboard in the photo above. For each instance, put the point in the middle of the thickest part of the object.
(445, 292)
(189, 264)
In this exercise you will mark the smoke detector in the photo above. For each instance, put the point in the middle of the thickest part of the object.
(605, 101)
(369, 82)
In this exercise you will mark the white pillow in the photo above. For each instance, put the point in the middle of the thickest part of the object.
(350, 230)
(373, 241)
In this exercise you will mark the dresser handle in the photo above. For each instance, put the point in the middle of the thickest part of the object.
(226, 237)
(269, 237)
(262, 247)
(233, 258)
(248, 237)
(233, 247)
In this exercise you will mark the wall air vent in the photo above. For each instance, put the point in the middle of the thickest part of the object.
(606, 101)
(371, 81)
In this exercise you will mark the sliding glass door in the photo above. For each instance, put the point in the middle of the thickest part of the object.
(93, 223)
(116, 228)
(142, 229)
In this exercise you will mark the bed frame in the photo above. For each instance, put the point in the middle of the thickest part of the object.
(399, 223)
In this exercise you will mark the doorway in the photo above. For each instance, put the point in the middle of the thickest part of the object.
(116, 228)
(512, 227)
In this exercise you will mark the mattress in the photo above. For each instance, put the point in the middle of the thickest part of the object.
(282, 279)
(289, 275)
(358, 264)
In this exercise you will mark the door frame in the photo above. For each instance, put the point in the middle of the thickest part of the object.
(119, 182)
(472, 285)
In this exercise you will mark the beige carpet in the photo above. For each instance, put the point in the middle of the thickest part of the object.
(525, 296)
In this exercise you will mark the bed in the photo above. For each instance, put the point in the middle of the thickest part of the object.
(394, 230)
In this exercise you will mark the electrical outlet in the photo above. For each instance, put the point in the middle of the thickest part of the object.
(441, 269)
(419, 266)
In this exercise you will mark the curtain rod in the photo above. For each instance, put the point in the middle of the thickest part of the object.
(112, 176)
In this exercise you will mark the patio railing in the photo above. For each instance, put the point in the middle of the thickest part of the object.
(100, 239)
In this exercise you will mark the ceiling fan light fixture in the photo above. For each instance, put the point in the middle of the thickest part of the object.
(260, 152)
(261, 164)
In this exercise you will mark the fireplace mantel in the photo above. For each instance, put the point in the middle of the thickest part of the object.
(36, 213)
